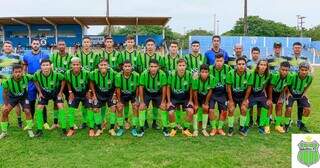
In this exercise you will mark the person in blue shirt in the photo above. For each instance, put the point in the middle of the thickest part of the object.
(211, 54)
(7, 60)
(31, 61)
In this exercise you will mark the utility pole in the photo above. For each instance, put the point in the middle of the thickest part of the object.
(245, 22)
(214, 24)
(300, 23)
(218, 27)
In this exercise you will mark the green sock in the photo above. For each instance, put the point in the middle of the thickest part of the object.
(220, 125)
(199, 113)
(164, 118)
(204, 121)
(142, 118)
(213, 124)
(242, 120)
(4, 127)
(278, 120)
(287, 120)
(97, 118)
(304, 119)
(173, 125)
(135, 121)
(29, 124)
(91, 118)
(178, 114)
(154, 113)
(62, 118)
(230, 121)
(39, 118)
(187, 124)
(84, 114)
(71, 112)
(247, 118)
(103, 113)
(120, 121)
(195, 122)
(112, 118)
(55, 114)
(264, 114)
(126, 111)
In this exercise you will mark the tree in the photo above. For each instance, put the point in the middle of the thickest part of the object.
(314, 33)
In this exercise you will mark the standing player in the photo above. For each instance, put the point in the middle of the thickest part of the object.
(202, 90)
(300, 82)
(238, 52)
(211, 54)
(127, 91)
(179, 93)
(50, 85)
(78, 87)
(238, 89)
(219, 71)
(276, 58)
(109, 53)
(153, 83)
(102, 84)
(255, 54)
(16, 92)
(278, 86)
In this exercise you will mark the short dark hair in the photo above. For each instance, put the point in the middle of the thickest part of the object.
(216, 36)
(297, 43)
(285, 64)
(255, 49)
(219, 55)
(150, 40)
(195, 42)
(181, 60)
(86, 37)
(241, 59)
(154, 61)
(107, 37)
(126, 62)
(35, 39)
(7, 42)
(204, 67)
(174, 42)
(16, 66)
(130, 37)
(45, 61)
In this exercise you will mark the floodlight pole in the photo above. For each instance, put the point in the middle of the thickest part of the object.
(245, 22)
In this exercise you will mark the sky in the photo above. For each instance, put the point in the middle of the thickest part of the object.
(186, 14)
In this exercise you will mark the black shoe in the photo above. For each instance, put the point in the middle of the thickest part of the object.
(83, 126)
(146, 125)
(230, 131)
(251, 123)
(155, 125)
(286, 127)
(299, 123)
(19, 123)
(303, 128)
(38, 133)
(165, 132)
(242, 131)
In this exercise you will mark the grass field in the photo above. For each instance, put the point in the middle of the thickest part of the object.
(154, 150)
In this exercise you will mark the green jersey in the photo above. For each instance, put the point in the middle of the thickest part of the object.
(132, 57)
(151, 83)
(114, 58)
(298, 85)
(180, 85)
(194, 62)
(279, 83)
(103, 83)
(17, 88)
(169, 63)
(79, 82)
(203, 87)
(259, 82)
(239, 83)
(61, 63)
(127, 85)
(144, 61)
(89, 61)
(50, 83)
(220, 75)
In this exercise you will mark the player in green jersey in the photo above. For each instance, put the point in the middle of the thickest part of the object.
(113, 56)
(278, 86)
(153, 83)
(202, 91)
(102, 85)
(127, 91)
(15, 91)
(299, 84)
(77, 80)
(238, 90)
(179, 93)
(219, 71)
(50, 85)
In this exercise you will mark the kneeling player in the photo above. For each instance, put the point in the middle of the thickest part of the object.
(153, 83)
(179, 93)
(298, 86)
(102, 84)
(15, 92)
(238, 94)
(202, 90)
(278, 85)
(50, 85)
(127, 90)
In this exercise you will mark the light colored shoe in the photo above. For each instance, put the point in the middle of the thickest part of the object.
(221, 132)
(98, 132)
(75, 127)
(54, 126)
(195, 133)
(267, 129)
(30, 133)
(104, 125)
(187, 133)
(173, 133)
(70, 133)
(3, 135)
(91, 133)
(213, 132)
(112, 132)
(279, 129)
(205, 133)
(127, 125)
(179, 127)
(46, 126)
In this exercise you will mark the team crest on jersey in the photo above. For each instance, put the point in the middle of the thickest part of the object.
(91, 60)
(308, 152)
(65, 62)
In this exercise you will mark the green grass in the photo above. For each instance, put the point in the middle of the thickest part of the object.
(153, 150)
